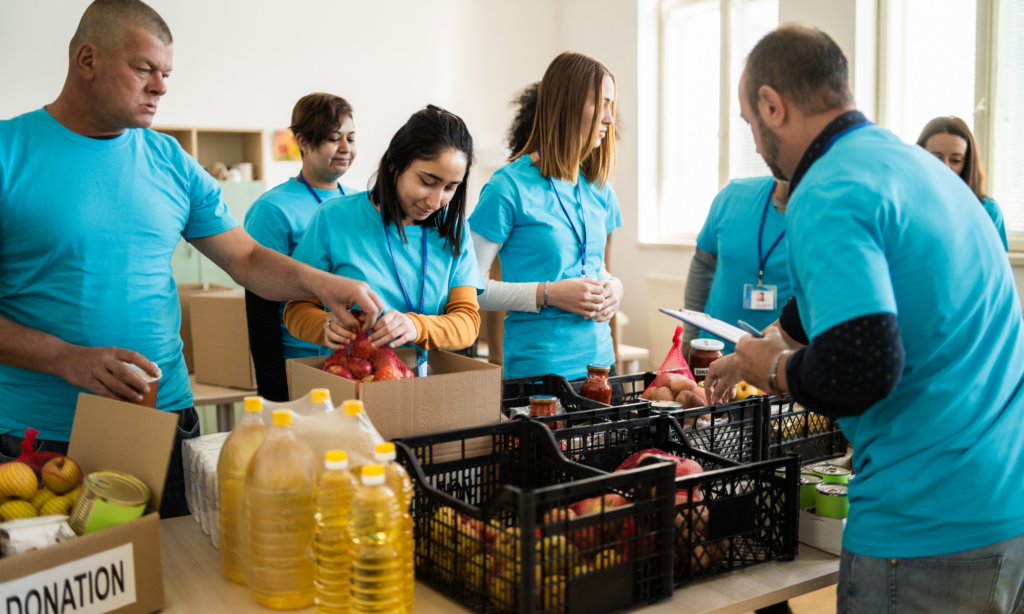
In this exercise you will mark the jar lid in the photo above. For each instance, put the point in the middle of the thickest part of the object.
(707, 345)
(543, 399)
(599, 368)
(807, 478)
(832, 489)
(829, 469)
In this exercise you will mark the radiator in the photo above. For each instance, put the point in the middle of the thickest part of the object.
(663, 291)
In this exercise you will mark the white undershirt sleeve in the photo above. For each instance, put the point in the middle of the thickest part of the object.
(501, 295)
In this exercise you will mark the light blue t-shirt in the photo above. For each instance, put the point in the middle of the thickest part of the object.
(346, 237)
(87, 229)
(994, 212)
(730, 233)
(879, 226)
(277, 221)
(518, 208)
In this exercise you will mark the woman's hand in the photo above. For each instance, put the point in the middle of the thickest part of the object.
(394, 327)
(336, 335)
(721, 379)
(584, 297)
(612, 296)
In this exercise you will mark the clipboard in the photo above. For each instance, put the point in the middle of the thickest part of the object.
(703, 321)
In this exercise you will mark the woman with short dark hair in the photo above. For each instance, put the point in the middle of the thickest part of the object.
(951, 141)
(326, 136)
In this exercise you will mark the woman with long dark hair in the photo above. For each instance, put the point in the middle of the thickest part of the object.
(326, 136)
(407, 238)
(952, 142)
(547, 215)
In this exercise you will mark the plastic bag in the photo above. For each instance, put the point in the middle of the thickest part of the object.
(361, 362)
(670, 377)
(53, 470)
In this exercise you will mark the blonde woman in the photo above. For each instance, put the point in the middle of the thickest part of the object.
(547, 215)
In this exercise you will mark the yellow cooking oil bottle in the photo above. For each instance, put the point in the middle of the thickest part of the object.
(397, 479)
(232, 464)
(279, 508)
(321, 400)
(333, 496)
(374, 526)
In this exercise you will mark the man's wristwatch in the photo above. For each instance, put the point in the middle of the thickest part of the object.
(773, 375)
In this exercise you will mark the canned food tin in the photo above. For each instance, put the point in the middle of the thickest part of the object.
(831, 500)
(666, 407)
(832, 474)
(108, 498)
(808, 490)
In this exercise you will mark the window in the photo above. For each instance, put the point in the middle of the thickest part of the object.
(1007, 165)
(703, 140)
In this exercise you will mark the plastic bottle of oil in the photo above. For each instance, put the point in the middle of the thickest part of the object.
(374, 526)
(321, 399)
(332, 545)
(398, 481)
(234, 459)
(279, 508)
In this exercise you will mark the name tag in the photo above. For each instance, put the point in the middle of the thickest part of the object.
(759, 297)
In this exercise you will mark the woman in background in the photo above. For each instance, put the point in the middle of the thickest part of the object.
(547, 215)
(951, 141)
(407, 238)
(326, 136)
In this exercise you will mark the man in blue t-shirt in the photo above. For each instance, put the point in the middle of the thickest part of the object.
(906, 325)
(92, 205)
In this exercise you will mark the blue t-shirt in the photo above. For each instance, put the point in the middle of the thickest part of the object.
(518, 208)
(879, 226)
(87, 229)
(730, 233)
(994, 212)
(346, 237)
(277, 221)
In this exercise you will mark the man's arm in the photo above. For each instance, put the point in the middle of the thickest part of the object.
(100, 370)
(276, 277)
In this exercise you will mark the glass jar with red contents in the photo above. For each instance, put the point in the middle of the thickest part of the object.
(544, 405)
(596, 387)
(703, 352)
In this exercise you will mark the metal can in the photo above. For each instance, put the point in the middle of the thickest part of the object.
(666, 407)
(108, 498)
(544, 405)
(832, 501)
(832, 474)
(808, 490)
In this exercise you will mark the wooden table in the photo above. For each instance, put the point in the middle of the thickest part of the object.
(223, 398)
(193, 582)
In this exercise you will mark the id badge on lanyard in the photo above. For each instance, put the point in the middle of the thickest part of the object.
(421, 354)
(760, 296)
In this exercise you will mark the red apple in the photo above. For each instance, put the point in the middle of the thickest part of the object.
(387, 373)
(340, 371)
(359, 368)
(363, 349)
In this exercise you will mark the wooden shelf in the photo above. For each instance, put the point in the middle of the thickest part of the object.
(227, 145)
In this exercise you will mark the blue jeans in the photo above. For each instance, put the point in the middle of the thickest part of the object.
(172, 503)
(986, 579)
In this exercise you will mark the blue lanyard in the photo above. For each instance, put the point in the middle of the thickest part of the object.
(302, 180)
(583, 218)
(401, 284)
(762, 261)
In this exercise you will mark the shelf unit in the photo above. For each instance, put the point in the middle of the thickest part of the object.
(227, 145)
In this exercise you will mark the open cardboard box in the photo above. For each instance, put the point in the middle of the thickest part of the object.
(460, 392)
(185, 293)
(116, 569)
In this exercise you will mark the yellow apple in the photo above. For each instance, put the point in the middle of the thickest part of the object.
(17, 509)
(18, 480)
(744, 390)
(73, 495)
(42, 496)
(59, 506)
(61, 475)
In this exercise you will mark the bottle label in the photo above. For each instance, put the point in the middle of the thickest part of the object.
(700, 372)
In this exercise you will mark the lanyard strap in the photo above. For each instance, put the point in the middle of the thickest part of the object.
(582, 240)
(302, 180)
(401, 284)
(763, 260)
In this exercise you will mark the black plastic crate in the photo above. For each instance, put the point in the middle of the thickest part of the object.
(517, 392)
(737, 430)
(492, 532)
(732, 516)
(796, 430)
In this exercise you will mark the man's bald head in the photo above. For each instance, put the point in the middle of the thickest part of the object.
(803, 64)
(105, 23)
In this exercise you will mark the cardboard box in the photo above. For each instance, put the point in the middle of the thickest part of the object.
(185, 293)
(116, 569)
(822, 533)
(460, 392)
(220, 340)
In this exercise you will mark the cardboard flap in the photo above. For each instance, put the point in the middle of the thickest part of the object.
(136, 440)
